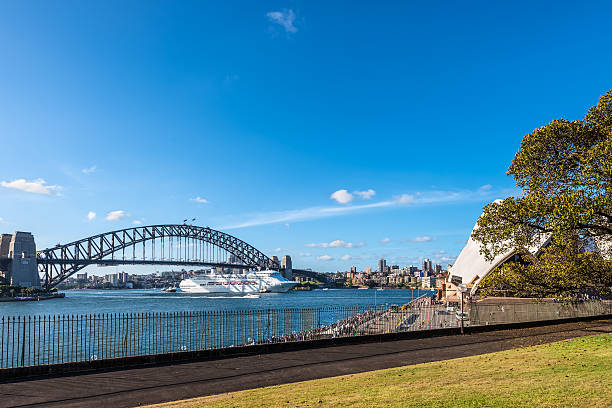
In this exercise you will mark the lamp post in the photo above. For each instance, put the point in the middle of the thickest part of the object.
(462, 288)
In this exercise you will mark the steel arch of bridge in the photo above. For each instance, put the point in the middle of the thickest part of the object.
(58, 263)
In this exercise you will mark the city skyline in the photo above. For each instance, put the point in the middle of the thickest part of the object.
(283, 124)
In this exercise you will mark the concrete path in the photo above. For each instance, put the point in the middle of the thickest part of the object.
(141, 386)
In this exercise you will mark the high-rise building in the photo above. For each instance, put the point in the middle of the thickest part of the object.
(427, 266)
(353, 269)
(368, 269)
(111, 278)
(382, 265)
(122, 277)
(82, 277)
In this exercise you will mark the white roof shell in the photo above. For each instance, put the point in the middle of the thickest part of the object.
(472, 266)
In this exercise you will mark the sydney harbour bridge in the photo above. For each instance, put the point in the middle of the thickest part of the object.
(172, 244)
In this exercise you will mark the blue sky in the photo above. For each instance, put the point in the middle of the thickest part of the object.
(337, 132)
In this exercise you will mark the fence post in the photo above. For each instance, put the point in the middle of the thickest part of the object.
(23, 341)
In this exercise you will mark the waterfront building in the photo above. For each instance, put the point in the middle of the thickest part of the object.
(111, 278)
(81, 277)
(429, 282)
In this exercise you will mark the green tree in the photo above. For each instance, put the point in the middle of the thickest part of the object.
(565, 172)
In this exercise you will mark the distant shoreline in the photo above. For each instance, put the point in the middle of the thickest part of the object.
(31, 298)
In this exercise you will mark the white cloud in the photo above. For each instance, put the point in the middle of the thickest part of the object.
(91, 215)
(38, 186)
(486, 187)
(385, 240)
(116, 215)
(283, 18)
(366, 195)
(422, 239)
(137, 222)
(278, 249)
(1, 219)
(199, 199)
(287, 224)
(342, 196)
(336, 244)
(325, 258)
(89, 170)
(305, 254)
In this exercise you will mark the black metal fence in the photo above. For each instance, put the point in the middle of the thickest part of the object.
(41, 340)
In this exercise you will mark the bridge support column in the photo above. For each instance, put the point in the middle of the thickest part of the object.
(23, 269)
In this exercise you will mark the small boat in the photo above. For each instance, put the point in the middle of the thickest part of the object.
(169, 290)
(363, 287)
(325, 288)
(251, 296)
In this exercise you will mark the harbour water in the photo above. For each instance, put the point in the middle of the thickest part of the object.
(145, 300)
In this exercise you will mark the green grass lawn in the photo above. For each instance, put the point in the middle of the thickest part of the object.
(571, 373)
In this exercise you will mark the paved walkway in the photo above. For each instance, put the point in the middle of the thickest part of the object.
(135, 387)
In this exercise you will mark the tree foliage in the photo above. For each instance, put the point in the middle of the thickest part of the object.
(565, 172)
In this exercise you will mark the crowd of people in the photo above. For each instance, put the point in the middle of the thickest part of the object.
(367, 322)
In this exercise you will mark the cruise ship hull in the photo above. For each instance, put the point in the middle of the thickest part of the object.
(255, 282)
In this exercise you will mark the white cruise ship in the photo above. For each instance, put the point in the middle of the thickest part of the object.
(237, 284)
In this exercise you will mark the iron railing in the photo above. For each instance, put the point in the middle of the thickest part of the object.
(42, 340)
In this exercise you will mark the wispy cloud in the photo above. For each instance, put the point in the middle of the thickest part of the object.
(336, 244)
(425, 238)
(385, 240)
(284, 18)
(89, 170)
(38, 186)
(116, 215)
(403, 200)
(304, 214)
(137, 222)
(325, 258)
(1, 219)
(305, 254)
(91, 215)
(366, 195)
(350, 257)
(199, 199)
